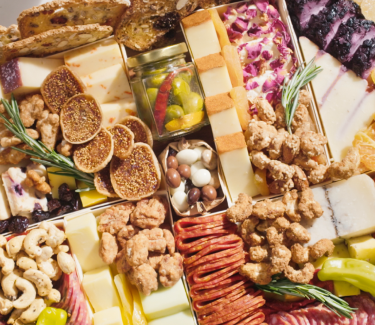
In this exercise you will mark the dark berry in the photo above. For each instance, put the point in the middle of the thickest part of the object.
(40, 215)
(65, 194)
(18, 225)
(167, 22)
(64, 210)
(76, 202)
(53, 205)
(172, 152)
(24, 170)
(18, 189)
(37, 206)
(4, 226)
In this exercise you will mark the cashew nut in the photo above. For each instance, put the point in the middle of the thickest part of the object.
(24, 262)
(28, 296)
(41, 281)
(32, 313)
(16, 313)
(55, 236)
(8, 283)
(54, 296)
(6, 305)
(66, 262)
(6, 263)
(61, 248)
(3, 241)
(14, 246)
(47, 253)
(209, 159)
(32, 240)
(58, 272)
(50, 268)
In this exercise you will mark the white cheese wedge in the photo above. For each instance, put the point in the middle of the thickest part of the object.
(225, 122)
(108, 85)
(110, 316)
(84, 240)
(100, 289)
(202, 39)
(4, 204)
(348, 210)
(23, 200)
(165, 301)
(22, 76)
(114, 112)
(215, 81)
(94, 57)
(182, 318)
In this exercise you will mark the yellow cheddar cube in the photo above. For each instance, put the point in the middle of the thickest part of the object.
(90, 198)
(114, 112)
(56, 180)
(362, 248)
(100, 289)
(84, 240)
(345, 289)
(340, 251)
(110, 316)
(108, 85)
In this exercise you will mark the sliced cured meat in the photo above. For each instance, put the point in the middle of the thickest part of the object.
(282, 318)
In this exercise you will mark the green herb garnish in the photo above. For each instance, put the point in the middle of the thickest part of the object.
(290, 94)
(282, 286)
(45, 156)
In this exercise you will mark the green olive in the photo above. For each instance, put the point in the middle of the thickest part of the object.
(180, 86)
(152, 93)
(151, 72)
(185, 76)
(191, 102)
(156, 80)
(173, 112)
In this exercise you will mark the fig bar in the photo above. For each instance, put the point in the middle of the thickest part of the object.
(236, 165)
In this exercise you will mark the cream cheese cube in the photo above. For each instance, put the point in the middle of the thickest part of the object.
(83, 238)
(216, 81)
(182, 318)
(225, 122)
(165, 301)
(110, 316)
(114, 112)
(100, 289)
(108, 85)
(94, 57)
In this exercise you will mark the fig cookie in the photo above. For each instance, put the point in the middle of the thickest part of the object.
(123, 140)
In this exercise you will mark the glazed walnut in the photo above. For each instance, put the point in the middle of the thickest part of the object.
(312, 143)
(154, 260)
(257, 272)
(31, 109)
(259, 159)
(137, 250)
(33, 179)
(290, 200)
(265, 110)
(347, 167)
(49, 126)
(248, 227)
(241, 210)
(171, 269)
(115, 218)
(318, 174)
(12, 156)
(280, 116)
(301, 117)
(149, 213)
(65, 148)
(298, 233)
(304, 97)
(259, 135)
(256, 239)
(305, 162)
(121, 263)
(280, 171)
(170, 241)
(280, 258)
(275, 149)
(300, 254)
(12, 141)
(291, 148)
(281, 224)
(322, 247)
(300, 179)
(144, 277)
(308, 207)
(279, 187)
(108, 248)
(156, 240)
(268, 210)
(125, 234)
(258, 253)
(300, 276)
(274, 237)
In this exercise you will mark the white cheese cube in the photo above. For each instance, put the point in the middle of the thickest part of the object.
(4, 204)
(108, 85)
(94, 57)
(114, 112)
(225, 122)
(23, 200)
(84, 241)
(362, 248)
(110, 316)
(182, 318)
(165, 301)
(100, 289)
(215, 81)
(202, 39)
(22, 76)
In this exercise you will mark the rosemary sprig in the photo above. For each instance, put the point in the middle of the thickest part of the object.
(281, 286)
(43, 154)
(290, 93)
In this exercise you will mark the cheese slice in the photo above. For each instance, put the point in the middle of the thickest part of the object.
(84, 240)
(56, 180)
(4, 204)
(114, 112)
(100, 289)
(216, 81)
(165, 301)
(362, 248)
(94, 57)
(108, 85)
(22, 76)
(225, 122)
(110, 316)
(182, 318)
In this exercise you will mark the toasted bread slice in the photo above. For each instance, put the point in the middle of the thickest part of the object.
(138, 176)
(56, 40)
(212, 3)
(145, 23)
(103, 183)
(93, 156)
(61, 13)
(7, 35)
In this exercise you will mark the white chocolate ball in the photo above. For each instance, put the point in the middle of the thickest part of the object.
(201, 178)
(179, 199)
(187, 157)
(181, 188)
(195, 167)
(199, 151)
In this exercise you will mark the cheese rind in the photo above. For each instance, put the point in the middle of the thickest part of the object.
(100, 289)
(115, 112)
(83, 238)
(108, 85)
(215, 81)
(182, 318)
(225, 122)
(110, 316)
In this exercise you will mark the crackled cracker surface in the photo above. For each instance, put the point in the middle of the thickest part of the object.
(59, 86)
(123, 139)
(141, 131)
(80, 119)
(137, 176)
(93, 156)
(103, 182)
(56, 40)
(60, 13)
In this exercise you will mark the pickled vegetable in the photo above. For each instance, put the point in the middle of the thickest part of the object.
(179, 86)
(152, 93)
(185, 122)
(157, 80)
(191, 102)
(174, 112)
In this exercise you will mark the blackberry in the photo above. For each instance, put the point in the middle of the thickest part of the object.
(18, 225)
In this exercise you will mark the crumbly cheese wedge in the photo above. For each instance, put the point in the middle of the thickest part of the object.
(22, 76)
(94, 57)
(108, 85)
(201, 34)
(115, 112)
(182, 318)
(110, 316)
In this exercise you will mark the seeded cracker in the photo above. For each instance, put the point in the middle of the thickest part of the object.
(60, 13)
(80, 119)
(141, 131)
(57, 40)
(60, 85)
(93, 156)
(103, 183)
(7, 35)
(123, 140)
(137, 176)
